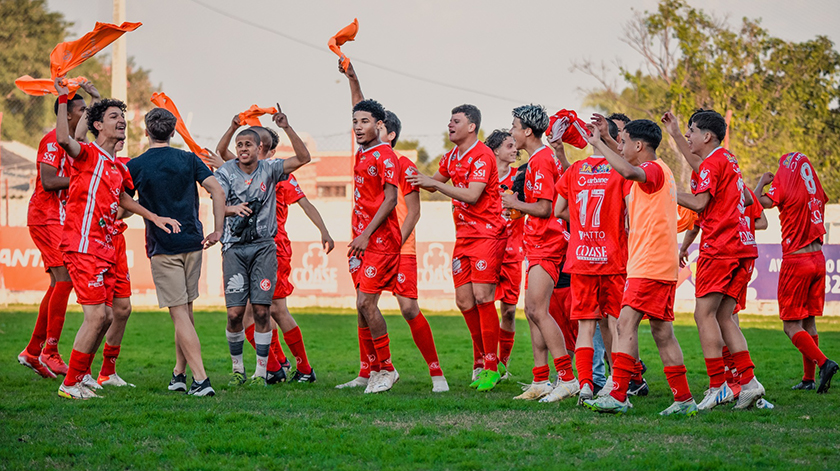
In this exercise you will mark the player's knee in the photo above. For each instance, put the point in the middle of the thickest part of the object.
(464, 304)
(364, 304)
(508, 312)
(791, 328)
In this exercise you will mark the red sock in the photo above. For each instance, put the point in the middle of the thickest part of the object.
(583, 361)
(421, 331)
(805, 343)
(715, 369)
(39, 333)
(55, 315)
(489, 334)
(563, 365)
(77, 366)
(506, 339)
(540, 373)
(744, 365)
(678, 382)
(473, 321)
(364, 365)
(637, 372)
(368, 353)
(109, 359)
(277, 349)
(809, 368)
(729, 366)
(383, 352)
(249, 334)
(294, 340)
(623, 365)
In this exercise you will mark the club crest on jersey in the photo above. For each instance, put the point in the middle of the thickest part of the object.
(370, 271)
(372, 171)
(400, 278)
(481, 265)
(262, 186)
(265, 284)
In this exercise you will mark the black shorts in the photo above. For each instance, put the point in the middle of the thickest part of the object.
(250, 272)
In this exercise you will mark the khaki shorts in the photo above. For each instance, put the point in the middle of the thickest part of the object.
(176, 277)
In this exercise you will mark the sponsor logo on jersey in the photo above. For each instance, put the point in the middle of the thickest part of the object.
(52, 147)
(591, 254)
(354, 263)
(376, 154)
(456, 265)
(588, 169)
(97, 282)
(235, 284)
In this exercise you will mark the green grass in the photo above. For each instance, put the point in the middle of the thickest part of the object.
(315, 426)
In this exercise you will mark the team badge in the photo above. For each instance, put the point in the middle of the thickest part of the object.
(370, 271)
(265, 284)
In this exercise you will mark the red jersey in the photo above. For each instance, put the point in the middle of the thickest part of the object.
(288, 193)
(797, 191)
(482, 220)
(723, 221)
(514, 228)
(597, 231)
(94, 197)
(544, 237)
(407, 168)
(47, 207)
(374, 168)
(120, 225)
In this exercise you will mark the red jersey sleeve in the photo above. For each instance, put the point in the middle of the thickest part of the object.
(654, 177)
(776, 192)
(389, 167)
(407, 168)
(49, 152)
(708, 177)
(291, 190)
(480, 169)
(443, 165)
(543, 186)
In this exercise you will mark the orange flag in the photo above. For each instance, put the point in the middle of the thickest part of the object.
(67, 55)
(251, 116)
(162, 101)
(348, 33)
(41, 87)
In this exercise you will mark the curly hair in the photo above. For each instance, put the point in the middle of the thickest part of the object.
(373, 107)
(496, 138)
(96, 112)
(532, 116)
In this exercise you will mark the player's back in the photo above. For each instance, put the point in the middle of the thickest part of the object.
(798, 193)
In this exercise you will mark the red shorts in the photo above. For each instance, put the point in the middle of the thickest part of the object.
(407, 277)
(728, 276)
(477, 260)
(550, 265)
(654, 298)
(122, 281)
(560, 308)
(92, 277)
(596, 296)
(374, 272)
(284, 287)
(47, 239)
(510, 279)
(802, 286)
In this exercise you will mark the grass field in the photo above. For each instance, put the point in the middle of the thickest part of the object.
(294, 426)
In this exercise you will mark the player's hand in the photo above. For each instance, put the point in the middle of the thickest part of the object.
(239, 210)
(280, 118)
(358, 246)
(60, 86)
(211, 239)
(421, 180)
(327, 242)
(557, 146)
(235, 123)
(683, 257)
(91, 90)
(600, 122)
(671, 124)
(510, 200)
(349, 71)
(766, 179)
(213, 159)
(594, 137)
(166, 223)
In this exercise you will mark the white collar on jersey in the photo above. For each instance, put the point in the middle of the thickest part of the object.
(712, 152)
(502, 178)
(539, 150)
(372, 147)
(458, 153)
(109, 156)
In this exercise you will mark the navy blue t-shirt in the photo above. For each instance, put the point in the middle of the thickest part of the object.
(165, 179)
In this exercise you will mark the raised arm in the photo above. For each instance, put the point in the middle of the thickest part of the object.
(62, 126)
(355, 88)
(301, 156)
(673, 128)
(560, 153)
(623, 167)
(218, 196)
(222, 148)
(765, 180)
(360, 243)
(312, 213)
(600, 122)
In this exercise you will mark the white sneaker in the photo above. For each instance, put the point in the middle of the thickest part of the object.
(476, 372)
(607, 389)
(374, 378)
(562, 390)
(386, 381)
(764, 404)
(750, 394)
(534, 390)
(77, 391)
(356, 382)
(717, 396)
(113, 380)
(439, 384)
(90, 383)
(585, 394)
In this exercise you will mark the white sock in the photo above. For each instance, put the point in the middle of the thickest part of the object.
(263, 343)
(235, 342)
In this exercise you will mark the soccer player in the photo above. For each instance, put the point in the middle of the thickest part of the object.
(249, 260)
(480, 243)
(727, 252)
(591, 200)
(405, 289)
(545, 245)
(652, 267)
(510, 278)
(96, 192)
(797, 191)
(45, 219)
(165, 179)
(620, 120)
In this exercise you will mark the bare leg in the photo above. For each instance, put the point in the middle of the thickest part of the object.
(187, 342)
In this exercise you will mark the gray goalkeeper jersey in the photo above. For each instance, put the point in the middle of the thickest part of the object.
(258, 188)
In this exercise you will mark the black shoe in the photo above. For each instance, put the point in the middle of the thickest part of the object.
(303, 378)
(201, 389)
(805, 386)
(596, 389)
(274, 377)
(638, 389)
(286, 367)
(827, 371)
(178, 383)
(644, 367)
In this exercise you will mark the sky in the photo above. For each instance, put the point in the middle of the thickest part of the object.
(418, 58)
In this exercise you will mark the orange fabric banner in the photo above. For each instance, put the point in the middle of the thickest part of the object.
(163, 101)
(68, 55)
(251, 116)
(348, 33)
(42, 87)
